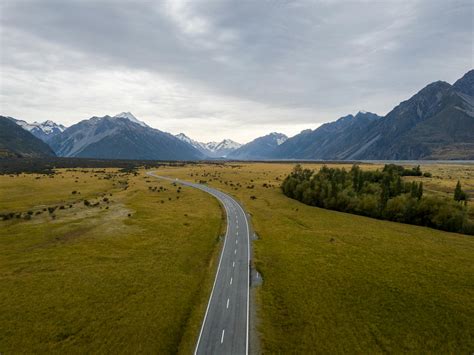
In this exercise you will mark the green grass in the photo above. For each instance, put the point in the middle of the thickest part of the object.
(336, 282)
(97, 280)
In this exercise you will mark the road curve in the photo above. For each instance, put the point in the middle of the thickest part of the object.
(225, 327)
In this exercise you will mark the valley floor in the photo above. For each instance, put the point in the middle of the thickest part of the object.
(335, 282)
(131, 270)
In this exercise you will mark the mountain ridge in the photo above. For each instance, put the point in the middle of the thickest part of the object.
(211, 149)
(435, 123)
(18, 142)
(111, 137)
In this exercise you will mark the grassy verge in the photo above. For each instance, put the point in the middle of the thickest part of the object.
(128, 275)
(335, 282)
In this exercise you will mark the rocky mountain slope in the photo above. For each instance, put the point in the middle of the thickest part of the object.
(212, 149)
(42, 130)
(18, 142)
(259, 148)
(120, 137)
(435, 123)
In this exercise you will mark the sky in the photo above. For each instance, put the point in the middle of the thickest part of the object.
(220, 69)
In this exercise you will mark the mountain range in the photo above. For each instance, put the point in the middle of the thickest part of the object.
(120, 137)
(259, 148)
(18, 142)
(435, 123)
(44, 130)
(212, 149)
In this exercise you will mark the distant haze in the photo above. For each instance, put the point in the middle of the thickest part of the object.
(226, 69)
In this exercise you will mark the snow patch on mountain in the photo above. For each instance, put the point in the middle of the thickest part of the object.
(195, 144)
(211, 149)
(129, 116)
(225, 144)
(278, 137)
(47, 127)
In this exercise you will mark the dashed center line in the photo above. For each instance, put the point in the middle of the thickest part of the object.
(236, 241)
(227, 303)
(233, 264)
(235, 251)
(222, 337)
(230, 281)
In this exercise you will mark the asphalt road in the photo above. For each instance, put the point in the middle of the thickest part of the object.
(225, 327)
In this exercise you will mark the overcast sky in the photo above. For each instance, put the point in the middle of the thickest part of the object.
(226, 69)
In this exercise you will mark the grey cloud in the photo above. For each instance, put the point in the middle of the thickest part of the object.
(327, 56)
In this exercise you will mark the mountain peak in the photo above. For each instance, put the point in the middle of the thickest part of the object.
(280, 138)
(129, 116)
(211, 149)
(465, 85)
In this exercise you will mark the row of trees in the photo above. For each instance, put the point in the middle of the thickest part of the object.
(379, 194)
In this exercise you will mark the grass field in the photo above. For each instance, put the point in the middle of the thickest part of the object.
(129, 273)
(336, 282)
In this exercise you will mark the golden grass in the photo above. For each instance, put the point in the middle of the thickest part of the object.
(95, 279)
(336, 282)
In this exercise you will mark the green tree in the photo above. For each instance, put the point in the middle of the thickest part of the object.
(419, 193)
(459, 194)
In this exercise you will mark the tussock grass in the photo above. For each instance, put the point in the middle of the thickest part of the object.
(336, 282)
(128, 275)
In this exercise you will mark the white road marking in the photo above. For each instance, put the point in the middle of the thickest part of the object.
(236, 241)
(233, 264)
(227, 303)
(230, 281)
(235, 251)
(234, 206)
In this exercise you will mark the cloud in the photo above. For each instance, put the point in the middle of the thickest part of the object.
(247, 67)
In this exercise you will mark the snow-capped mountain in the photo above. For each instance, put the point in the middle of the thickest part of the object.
(130, 117)
(42, 130)
(198, 145)
(120, 138)
(211, 149)
(18, 142)
(225, 145)
(260, 147)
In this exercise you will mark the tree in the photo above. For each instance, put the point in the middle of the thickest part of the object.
(459, 194)
(419, 193)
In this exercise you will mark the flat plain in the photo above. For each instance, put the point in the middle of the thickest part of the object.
(336, 282)
(128, 272)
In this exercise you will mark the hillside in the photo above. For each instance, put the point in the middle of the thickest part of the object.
(120, 138)
(42, 130)
(259, 148)
(17, 142)
(435, 123)
(211, 149)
